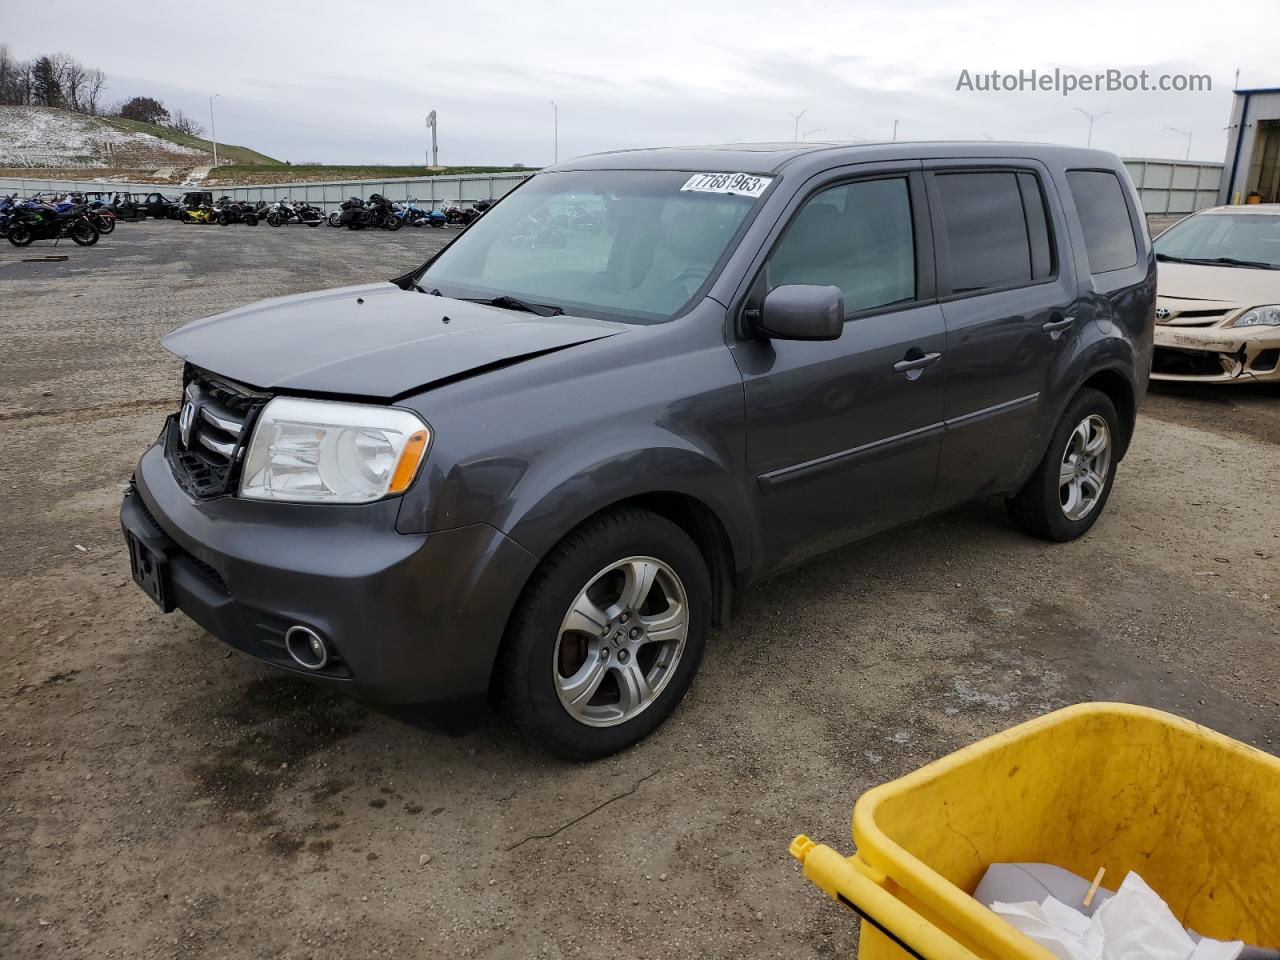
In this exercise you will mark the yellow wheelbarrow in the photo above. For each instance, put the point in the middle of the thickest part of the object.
(1195, 813)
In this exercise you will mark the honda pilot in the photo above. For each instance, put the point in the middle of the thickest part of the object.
(537, 469)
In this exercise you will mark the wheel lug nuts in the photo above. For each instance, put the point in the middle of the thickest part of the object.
(625, 617)
(635, 632)
(623, 656)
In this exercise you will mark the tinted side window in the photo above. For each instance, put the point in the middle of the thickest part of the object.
(1104, 217)
(986, 230)
(858, 237)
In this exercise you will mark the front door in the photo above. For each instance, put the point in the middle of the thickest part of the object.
(843, 436)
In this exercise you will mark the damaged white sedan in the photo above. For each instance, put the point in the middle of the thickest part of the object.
(1218, 297)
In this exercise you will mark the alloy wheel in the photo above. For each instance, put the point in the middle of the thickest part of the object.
(620, 641)
(1086, 464)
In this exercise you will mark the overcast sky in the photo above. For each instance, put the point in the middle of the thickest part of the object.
(337, 82)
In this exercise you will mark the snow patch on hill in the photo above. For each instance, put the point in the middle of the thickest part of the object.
(48, 137)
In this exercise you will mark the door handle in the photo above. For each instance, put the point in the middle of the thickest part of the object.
(916, 364)
(1057, 326)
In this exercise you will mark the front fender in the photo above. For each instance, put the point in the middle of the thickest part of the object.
(562, 491)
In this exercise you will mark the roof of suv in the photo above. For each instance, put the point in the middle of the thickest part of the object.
(764, 158)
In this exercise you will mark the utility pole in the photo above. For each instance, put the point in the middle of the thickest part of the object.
(435, 152)
(555, 130)
(796, 117)
(1188, 135)
(1091, 117)
(213, 130)
(895, 129)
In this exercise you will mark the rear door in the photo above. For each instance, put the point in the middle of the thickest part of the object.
(1009, 298)
(843, 436)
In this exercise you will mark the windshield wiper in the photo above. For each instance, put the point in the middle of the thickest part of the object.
(507, 302)
(1223, 261)
(1234, 262)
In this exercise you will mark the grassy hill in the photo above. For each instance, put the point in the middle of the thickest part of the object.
(228, 150)
(249, 173)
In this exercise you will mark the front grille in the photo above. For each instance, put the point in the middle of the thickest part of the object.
(205, 441)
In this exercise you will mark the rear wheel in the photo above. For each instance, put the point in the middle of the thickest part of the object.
(1070, 487)
(607, 636)
(250, 220)
(392, 222)
(84, 233)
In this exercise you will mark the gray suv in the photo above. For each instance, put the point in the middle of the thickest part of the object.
(537, 469)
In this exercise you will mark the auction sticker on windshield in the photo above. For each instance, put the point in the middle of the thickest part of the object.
(742, 184)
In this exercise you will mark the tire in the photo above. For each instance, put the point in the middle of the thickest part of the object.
(83, 233)
(313, 223)
(541, 649)
(105, 225)
(273, 220)
(1049, 508)
(20, 235)
(333, 219)
(222, 220)
(250, 220)
(392, 222)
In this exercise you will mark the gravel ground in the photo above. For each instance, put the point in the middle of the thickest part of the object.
(161, 796)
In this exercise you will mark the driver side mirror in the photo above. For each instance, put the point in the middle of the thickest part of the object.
(797, 311)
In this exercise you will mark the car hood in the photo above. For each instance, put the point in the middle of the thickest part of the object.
(1224, 288)
(375, 340)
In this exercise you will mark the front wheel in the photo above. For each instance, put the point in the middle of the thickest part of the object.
(607, 636)
(335, 219)
(392, 222)
(20, 235)
(273, 219)
(104, 224)
(1070, 487)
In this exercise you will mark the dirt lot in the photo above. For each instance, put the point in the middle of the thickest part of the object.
(163, 797)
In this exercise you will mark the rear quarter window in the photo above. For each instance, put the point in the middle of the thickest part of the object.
(1104, 217)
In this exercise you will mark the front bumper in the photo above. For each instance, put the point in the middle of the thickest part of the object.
(1216, 354)
(412, 618)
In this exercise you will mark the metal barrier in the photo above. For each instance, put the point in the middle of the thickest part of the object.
(1175, 187)
(326, 194)
(1166, 187)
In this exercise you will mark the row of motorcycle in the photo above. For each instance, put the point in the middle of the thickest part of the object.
(55, 217)
(377, 212)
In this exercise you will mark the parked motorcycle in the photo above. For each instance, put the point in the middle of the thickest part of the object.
(284, 212)
(228, 211)
(201, 214)
(29, 222)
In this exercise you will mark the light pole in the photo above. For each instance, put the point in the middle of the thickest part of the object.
(895, 129)
(431, 123)
(796, 117)
(1091, 117)
(1187, 134)
(555, 130)
(213, 130)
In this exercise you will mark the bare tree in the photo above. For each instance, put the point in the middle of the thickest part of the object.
(15, 78)
(95, 81)
(73, 77)
(183, 124)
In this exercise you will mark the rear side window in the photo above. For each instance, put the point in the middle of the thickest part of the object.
(996, 229)
(858, 237)
(1104, 218)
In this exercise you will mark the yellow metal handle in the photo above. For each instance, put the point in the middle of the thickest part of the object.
(843, 879)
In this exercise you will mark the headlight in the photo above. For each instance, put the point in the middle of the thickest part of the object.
(1259, 317)
(315, 451)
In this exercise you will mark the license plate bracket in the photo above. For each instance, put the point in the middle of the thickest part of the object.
(150, 572)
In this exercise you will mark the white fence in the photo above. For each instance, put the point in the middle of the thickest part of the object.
(1175, 187)
(1167, 187)
(328, 194)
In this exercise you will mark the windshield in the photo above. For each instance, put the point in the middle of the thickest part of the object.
(1246, 238)
(631, 245)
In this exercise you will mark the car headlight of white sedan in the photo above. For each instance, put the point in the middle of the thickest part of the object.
(1267, 316)
(319, 451)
